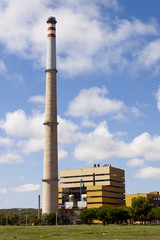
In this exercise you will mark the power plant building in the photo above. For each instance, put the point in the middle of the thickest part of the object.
(153, 198)
(92, 187)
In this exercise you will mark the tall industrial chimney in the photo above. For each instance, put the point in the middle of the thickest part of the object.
(50, 164)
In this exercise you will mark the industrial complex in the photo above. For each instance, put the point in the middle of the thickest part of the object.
(78, 188)
(97, 186)
(92, 187)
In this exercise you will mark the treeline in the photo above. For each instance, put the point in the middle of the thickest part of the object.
(141, 210)
(18, 216)
(25, 217)
(28, 219)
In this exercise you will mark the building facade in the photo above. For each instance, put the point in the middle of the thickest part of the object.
(153, 198)
(92, 187)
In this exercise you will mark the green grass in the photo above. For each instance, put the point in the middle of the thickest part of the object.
(81, 232)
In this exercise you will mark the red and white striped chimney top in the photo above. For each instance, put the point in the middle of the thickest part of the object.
(51, 27)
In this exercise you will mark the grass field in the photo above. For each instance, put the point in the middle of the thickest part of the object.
(81, 232)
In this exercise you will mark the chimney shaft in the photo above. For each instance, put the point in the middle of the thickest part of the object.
(50, 164)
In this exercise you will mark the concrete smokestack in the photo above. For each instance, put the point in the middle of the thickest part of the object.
(50, 164)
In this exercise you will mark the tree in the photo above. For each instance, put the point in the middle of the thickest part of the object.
(38, 221)
(141, 209)
(156, 212)
(120, 214)
(13, 219)
(104, 214)
(2, 219)
(51, 219)
(88, 215)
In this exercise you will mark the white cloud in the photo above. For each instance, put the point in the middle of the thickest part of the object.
(147, 146)
(27, 131)
(88, 123)
(27, 188)
(149, 56)
(119, 116)
(112, 43)
(125, 30)
(93, 102)
(22, 22)
(99, 43)
(101, 145)
(10, 158)
(135, 162)
(112, 4)
(158, 98)
(18, 124)
(31, 145)
(136, 112)
(3, 190)
(62, 154)
(148, 172)
(37, 99)
(18, 78)
(96, 145)
(120, 134)
(67, 131)
(6, 142)
(3, 68)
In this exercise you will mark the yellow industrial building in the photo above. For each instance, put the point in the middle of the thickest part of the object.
(153, 198)
(92, 187)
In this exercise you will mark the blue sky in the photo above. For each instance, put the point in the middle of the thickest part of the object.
(108, 61)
